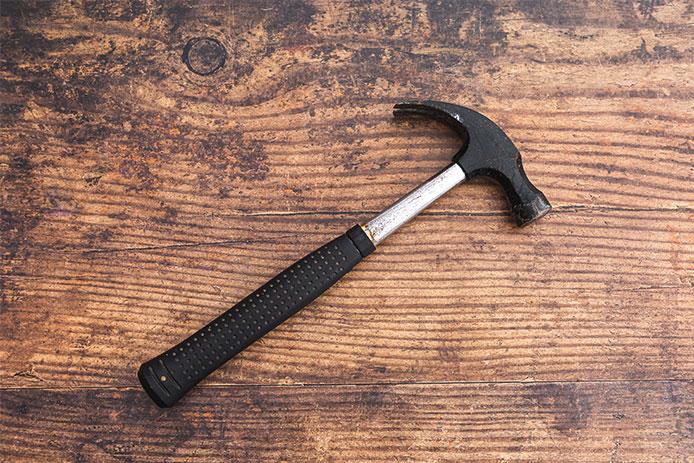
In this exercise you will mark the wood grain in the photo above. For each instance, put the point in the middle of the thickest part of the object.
(576, 296)
(576, 422)
(139, 198)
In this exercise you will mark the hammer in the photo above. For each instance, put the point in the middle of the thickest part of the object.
(486, 151)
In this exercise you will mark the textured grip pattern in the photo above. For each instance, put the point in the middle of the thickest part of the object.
(168, 377)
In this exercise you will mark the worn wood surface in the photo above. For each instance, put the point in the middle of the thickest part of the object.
(385, 423)
(139, 198)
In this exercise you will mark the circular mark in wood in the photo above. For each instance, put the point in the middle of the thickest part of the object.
(204, 55)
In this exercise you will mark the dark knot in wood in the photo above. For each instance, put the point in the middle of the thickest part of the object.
(204, 55)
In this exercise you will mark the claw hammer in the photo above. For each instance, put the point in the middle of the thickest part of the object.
(486, 151)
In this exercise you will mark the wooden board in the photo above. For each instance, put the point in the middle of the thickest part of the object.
(604, 295)
(634, 421)
(138, 199)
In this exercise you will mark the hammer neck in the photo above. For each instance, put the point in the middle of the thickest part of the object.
(381, 226)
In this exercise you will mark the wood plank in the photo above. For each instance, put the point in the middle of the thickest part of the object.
(104, 123)
(583, 422)
(579, 295)
(67, 201)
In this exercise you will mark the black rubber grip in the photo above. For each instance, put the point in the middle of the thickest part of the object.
(169, 376)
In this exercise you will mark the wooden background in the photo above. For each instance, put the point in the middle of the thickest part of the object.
(139, 199)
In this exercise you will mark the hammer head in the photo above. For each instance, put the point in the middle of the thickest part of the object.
(486, 151)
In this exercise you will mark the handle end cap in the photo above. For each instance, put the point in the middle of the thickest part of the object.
(150, 375)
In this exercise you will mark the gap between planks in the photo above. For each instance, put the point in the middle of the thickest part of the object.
(365, 384)
(555, 209)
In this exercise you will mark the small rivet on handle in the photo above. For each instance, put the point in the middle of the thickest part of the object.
(162, 378)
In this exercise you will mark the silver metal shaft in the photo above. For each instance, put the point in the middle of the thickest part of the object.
(381, 226)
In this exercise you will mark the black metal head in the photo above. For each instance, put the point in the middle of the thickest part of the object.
(486, 151)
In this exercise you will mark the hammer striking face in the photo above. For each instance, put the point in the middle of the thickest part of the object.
(486, 151)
